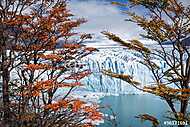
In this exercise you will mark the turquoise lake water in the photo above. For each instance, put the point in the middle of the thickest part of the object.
(126, 107)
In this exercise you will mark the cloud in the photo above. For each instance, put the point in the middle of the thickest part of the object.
(185, 2)
(101, 16)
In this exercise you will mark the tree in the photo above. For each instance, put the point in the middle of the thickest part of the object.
(166, 22)
(40, 65)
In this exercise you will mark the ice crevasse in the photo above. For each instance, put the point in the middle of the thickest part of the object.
(118, 60)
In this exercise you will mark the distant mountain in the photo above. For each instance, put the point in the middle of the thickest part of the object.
(185, 42)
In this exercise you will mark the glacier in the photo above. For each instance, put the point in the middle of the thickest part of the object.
(119, 60)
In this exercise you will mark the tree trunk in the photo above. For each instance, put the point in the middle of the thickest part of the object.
(184, 105)
(5, 86)
(183, 108)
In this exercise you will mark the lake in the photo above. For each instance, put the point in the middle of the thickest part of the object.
(126, 107)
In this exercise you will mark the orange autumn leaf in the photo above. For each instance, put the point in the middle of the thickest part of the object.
(68, 84)
(90, 49)
(63, 103)
(47, 84)
(37, 66)
(77, 105)
(93, 114)
(53, 57)
(87, 125)
(53, 106)
(71, 46)
(26, 116)
(96, 116)
(57, 105)
(35, 93)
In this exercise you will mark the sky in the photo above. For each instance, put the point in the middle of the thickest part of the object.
(102, 16)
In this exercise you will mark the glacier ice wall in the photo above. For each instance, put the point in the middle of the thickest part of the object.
(118, 60)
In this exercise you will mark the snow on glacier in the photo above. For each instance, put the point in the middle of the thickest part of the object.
(118, 60)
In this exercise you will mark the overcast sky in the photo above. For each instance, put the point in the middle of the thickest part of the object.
(101, 16)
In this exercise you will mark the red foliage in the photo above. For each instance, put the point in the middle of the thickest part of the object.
(43, 67)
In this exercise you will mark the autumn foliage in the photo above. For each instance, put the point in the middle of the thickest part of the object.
(41, 65)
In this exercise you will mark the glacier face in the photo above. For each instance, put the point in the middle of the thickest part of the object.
(118, 60)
